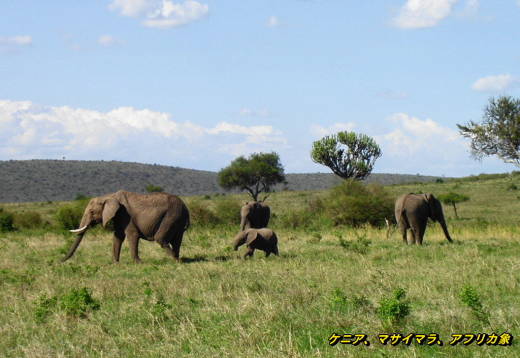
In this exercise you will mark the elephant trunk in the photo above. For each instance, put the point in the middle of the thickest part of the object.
(74, 247)
(445, 229)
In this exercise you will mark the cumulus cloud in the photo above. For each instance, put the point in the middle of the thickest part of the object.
(496, 83)
(30, 130)
(14, 43)
(423, 13)
(319, 131)
(161, 13)
(273, 21)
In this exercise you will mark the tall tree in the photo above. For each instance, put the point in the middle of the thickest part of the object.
(256, 174)
(453, 199)
(498, 133)
(347, 154)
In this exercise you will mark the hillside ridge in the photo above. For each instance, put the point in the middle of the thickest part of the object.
(56, 180)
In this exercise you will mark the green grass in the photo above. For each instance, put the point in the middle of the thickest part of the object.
(327, 280)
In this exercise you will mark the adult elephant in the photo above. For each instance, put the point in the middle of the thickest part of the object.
(412, 212)
(158, 217)
(254, 215)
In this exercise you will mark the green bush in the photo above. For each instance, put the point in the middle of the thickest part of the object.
(150, 188)
(27, 220)
(228, 210)
(78, 302)
(353, 204)
(69, 216)
(200, 214)
(6, 221)
(394, 309)
(469, 296)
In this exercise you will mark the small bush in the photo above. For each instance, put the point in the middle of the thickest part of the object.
(200, 214)
(354, 204)
(78, 302)
(69, 216)
(44, 307)
(469, 296)
(6, 221)
(360, 245)
(228, 210)
(512, 186)
(394, 309)
(27, 220)
(150, 188)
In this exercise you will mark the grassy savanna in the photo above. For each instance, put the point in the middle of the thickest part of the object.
(327, 279)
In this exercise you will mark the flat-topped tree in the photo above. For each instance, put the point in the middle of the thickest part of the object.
(498, 133)
(347, 154)
(256, 174)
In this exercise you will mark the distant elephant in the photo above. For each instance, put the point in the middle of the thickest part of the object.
(261, 239)
(412, 212)
(254, 214)
(159, 217)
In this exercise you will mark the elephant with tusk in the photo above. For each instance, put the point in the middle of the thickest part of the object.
(159, 217)
(412, 212)
(262, 239)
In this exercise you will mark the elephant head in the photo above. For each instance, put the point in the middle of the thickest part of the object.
(437, 214)
(254, 214)
(261, 239)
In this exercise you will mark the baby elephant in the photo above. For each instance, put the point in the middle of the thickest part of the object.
(261, 239)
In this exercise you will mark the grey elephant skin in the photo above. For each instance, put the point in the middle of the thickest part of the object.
(158, 217)
(261, 239)
(254, 215)
(412, 212)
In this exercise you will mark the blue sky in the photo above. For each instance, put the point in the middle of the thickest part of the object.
(196, 83)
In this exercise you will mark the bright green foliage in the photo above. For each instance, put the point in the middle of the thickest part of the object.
(150, 188)
(6, 221)
(69, 216)
(499, 132)
(256, 174)
(452, 199)
(469, 296)
(353, 204)
(78, 302)
(394, 309)
(347, 154)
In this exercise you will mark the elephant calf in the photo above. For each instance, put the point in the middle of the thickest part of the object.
(261, 239)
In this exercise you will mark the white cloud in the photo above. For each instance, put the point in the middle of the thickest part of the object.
(161, 13)
(14, 43)
(495, 83)
(423, 13)
(273, 21)
(471, 8)
(29, 130)
(107, 40)
(319, 131)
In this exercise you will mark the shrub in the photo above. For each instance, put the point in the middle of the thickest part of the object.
(200, 214)
(394, 309)
(228, 210)
(469, 296)
(78, 302)
(69, 216)
(360, 245)
(6, 221)
(44, 307)
(354, 204)
(27, 220)
(150, 188)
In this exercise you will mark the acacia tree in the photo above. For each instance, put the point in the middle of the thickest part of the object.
(256, 174)
(498, 133)
(452, 199)
(347, 154)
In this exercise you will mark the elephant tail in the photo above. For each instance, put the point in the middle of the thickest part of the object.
(73, 247)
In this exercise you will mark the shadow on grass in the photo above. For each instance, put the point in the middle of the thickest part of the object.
(196, 258)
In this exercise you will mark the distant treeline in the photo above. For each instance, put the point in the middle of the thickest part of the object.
(56, 180)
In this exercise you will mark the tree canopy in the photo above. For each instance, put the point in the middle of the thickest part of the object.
(256, 174)
(498, 133)
(452, 198)
(347, 154)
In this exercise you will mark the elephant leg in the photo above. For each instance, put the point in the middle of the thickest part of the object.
(420, 237)
(117, 241)
(176, 245)
(249, 253)
(403, 229)
(134, 248)
(267, 253)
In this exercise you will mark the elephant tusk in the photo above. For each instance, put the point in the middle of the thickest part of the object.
(81, 229)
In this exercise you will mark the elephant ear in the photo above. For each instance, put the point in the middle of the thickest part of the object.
(431, 200)
(251, 236)
(109, 210)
